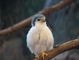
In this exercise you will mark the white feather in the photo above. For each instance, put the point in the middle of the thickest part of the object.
(40, 38)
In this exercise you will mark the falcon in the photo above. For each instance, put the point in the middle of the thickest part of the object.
(39, 38)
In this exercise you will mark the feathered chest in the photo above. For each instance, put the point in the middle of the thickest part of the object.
(39, 34)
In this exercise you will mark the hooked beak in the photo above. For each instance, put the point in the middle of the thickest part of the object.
(43, 19)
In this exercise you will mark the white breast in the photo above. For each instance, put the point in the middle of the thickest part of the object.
(40, 39)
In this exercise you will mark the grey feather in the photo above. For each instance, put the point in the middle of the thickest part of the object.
(35, 18)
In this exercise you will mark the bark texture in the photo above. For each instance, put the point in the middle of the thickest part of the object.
(74, 44)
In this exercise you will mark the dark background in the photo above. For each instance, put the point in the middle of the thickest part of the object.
(64, 21)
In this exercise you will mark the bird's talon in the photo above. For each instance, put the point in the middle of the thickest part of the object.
(43, 55)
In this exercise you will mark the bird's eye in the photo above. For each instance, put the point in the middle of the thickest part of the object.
(38, 19)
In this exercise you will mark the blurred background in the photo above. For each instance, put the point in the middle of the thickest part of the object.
(64, 21)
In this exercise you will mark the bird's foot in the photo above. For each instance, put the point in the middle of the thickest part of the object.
(44, 54)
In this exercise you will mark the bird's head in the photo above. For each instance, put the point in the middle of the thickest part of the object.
(38, 19)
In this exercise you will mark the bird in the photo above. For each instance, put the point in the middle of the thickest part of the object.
(39, 38)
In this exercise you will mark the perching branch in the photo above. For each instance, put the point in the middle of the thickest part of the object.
(27, 21)
(74, 44)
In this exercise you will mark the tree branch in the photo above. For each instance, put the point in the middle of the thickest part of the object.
(74, 44)
(27, 21)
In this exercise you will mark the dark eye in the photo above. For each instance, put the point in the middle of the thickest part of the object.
(38, 19)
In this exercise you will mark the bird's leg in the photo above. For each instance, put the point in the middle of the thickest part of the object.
(44, 54)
